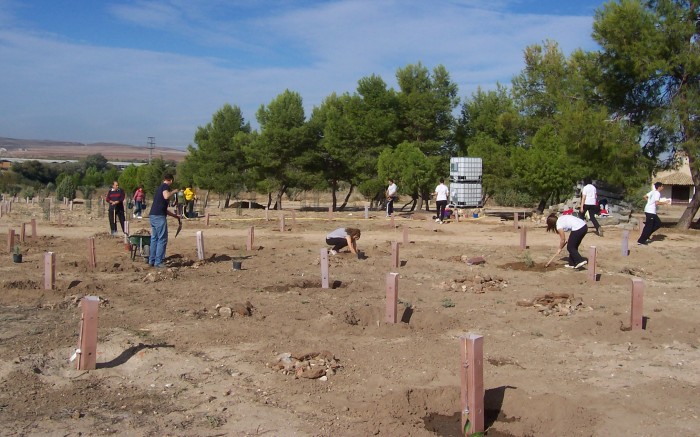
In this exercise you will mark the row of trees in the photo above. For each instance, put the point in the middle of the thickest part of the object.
(88, 175)
(612, 114)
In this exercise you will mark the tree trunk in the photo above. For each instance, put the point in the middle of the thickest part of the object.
(269, 200)
(334, 190)
(541, 205)
(280, 193)
(206, 200)
(347, 198)
(687, 218)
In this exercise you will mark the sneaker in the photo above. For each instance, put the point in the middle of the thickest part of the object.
(139, 217)
(599, 232)
(332, 252)
(581, 264)
(437, 220)
(133, 215)
(568, 266)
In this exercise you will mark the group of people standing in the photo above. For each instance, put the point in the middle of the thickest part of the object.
(575, 226)
(578, 228)
(157, 215)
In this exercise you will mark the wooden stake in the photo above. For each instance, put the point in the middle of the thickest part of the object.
(395, 254)
(10, 240)
(34, 234)
(87, 341)
(324, 268)
(366, 212)
(392, 297)
(251, 235)
(282, 223)
(472, 382)
(200, 245)
(49, 270)
(591, 264)
(391, 222)
(405, 234)
(206, 220)
(637, 310)
(92, 260)
(523, 238)
(625, 243)
(22, 232)
(330, 213)
(515, 220)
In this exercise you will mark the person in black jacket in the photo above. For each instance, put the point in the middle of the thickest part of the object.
(115, 198)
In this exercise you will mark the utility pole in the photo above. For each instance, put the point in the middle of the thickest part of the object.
(151, 146)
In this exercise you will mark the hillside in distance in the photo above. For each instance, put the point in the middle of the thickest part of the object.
(48, 149)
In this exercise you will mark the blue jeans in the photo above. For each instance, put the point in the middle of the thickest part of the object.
(159, 239)
(139, 207)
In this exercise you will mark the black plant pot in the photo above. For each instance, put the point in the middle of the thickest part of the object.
(237, 265)
(17, 257)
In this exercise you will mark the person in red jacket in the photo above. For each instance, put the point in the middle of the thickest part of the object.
(139, 196)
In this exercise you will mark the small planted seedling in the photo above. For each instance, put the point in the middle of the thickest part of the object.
(447, 303)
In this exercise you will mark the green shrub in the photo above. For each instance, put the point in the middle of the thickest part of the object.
(66, 188)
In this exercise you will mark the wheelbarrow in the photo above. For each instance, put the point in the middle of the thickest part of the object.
(140, 244)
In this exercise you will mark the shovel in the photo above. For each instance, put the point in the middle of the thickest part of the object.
(552, 258)
(179, 227)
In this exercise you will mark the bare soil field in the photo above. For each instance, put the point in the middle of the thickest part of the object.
(42, 149)
(173, 360)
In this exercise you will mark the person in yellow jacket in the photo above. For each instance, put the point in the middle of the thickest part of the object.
(189, 202)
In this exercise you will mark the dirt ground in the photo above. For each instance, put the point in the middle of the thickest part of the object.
(199, 349)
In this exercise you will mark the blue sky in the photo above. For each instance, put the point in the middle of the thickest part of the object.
(121, 71)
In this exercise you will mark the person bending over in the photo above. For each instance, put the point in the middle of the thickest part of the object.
(578, 229)
(343, 237)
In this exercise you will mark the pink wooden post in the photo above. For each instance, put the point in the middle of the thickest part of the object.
(366, 212)
(625, 243)
(70, 205)
(267, 217)
(87, 341)
(324, 268)
(405, 234)
(392, 297)
(206, 220)
(10, 240)
(472, 382)
(34, 234)
(294, 219)
(591, 264)
(282, 223)
(200, 245)
(92, 260)
(523, 238)
(251, 235)
(636, 312)
(391, 222)
(60, 219)
(22, 232)
(395, 254)
(126, 227)
(49, 270)
(515, 220)
(330, 213)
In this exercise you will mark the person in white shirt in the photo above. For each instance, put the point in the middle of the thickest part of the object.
(589, 203)
(577, 229)
(441, 194)
(390, 197)
(653, 223)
